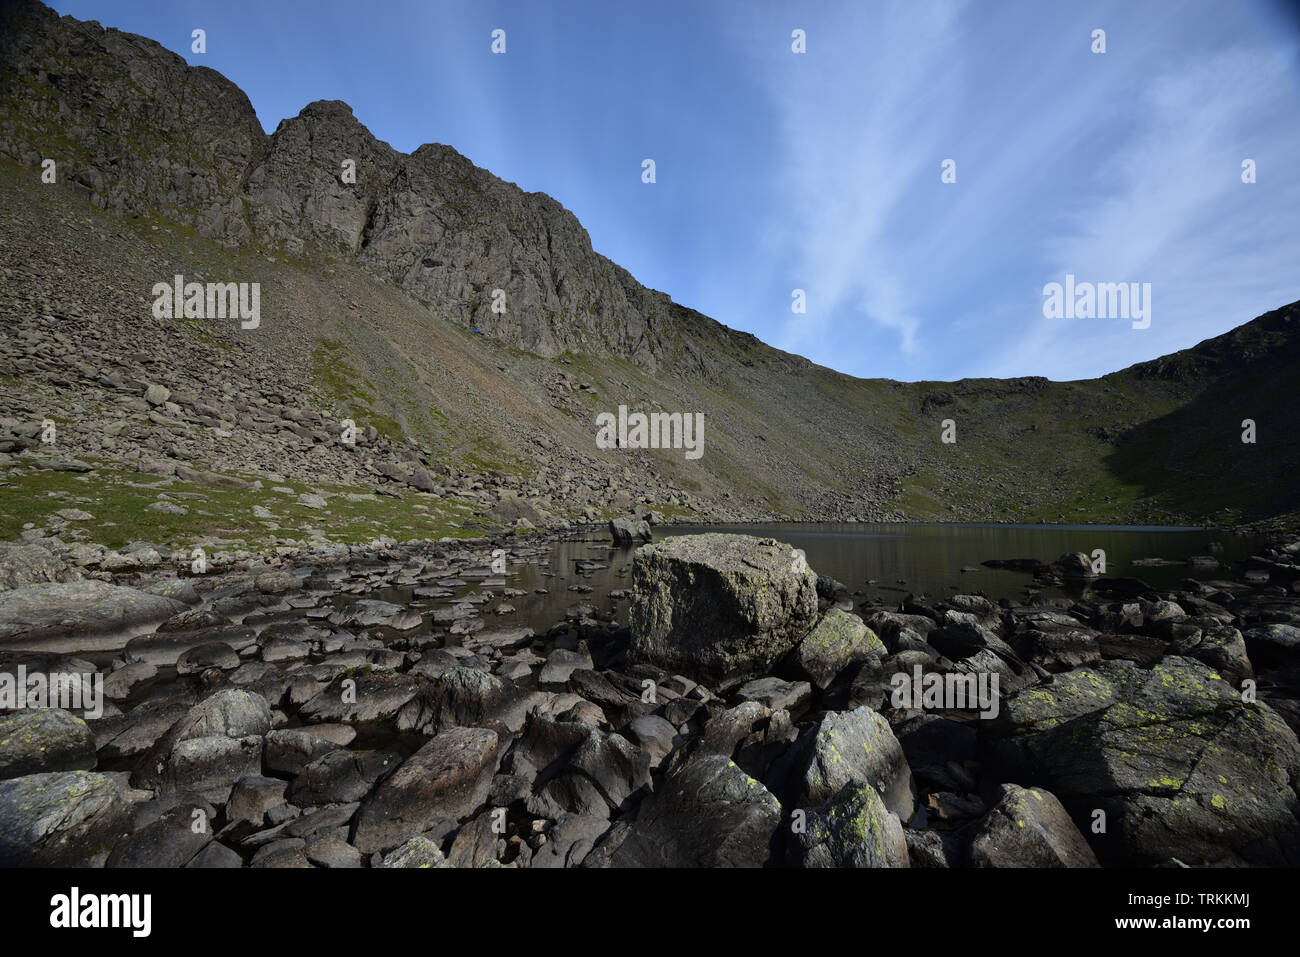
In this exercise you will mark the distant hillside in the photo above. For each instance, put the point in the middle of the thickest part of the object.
(377, 307)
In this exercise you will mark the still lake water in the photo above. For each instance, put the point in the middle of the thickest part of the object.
(889, 561)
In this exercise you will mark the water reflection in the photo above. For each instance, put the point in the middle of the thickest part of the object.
(877, 561)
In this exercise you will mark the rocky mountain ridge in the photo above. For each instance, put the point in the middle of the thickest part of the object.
(378, 310)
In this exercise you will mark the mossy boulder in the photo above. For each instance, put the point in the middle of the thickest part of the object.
(60, 819)
(1178, 764)
(852, 829)
(1029, 827)
(853, 747)
(840, 639)
(417, 852)
(44, 740)
(720, 608)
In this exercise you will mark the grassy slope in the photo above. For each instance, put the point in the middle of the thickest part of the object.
(783, 436)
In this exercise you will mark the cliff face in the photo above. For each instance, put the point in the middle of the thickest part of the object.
(136, 128)
(379, 298)
(141, 132)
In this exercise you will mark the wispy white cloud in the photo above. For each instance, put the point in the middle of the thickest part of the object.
(1123, 166)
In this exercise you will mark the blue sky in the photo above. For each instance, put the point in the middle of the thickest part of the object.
(821, 171)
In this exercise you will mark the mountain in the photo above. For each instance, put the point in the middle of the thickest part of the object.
(376, 307)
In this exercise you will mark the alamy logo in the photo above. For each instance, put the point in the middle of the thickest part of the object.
(949, 692)
(656, 430)
(215, 300)
(70, 691)
(1102, 300)
(73, 910)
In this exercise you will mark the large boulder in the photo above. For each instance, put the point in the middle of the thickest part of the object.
(1179, 765)
(628, 531)
(218, 742)
(61, 819)
(720, 608)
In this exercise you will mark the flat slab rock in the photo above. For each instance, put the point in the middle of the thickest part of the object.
(446, 780)
(80, 616)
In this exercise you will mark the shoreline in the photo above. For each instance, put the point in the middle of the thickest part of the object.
(312, 695)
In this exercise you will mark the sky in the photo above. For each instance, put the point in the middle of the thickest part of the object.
(823, 171)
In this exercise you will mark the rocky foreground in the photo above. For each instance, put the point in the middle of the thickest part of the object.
(732, 708)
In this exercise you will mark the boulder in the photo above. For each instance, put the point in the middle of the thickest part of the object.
(1180, 765)
(458, 697)
(708, 813)
(30, 565)
(854, 747)
(1028, 827)
(1074, 565)
(171, 836)
(361, 696)
(82, 615)
(340, 776)
(628, 531)
(840, 639)
(44, 740)
(446, 780)
(60, 819)
(212, 654)
(852, 829)
(289, 750)
(417, 852)
(218, 742)
(720, 608)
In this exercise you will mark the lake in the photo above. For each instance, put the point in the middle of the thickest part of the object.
(888, 561)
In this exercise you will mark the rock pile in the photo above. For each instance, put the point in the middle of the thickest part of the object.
(745, 718)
